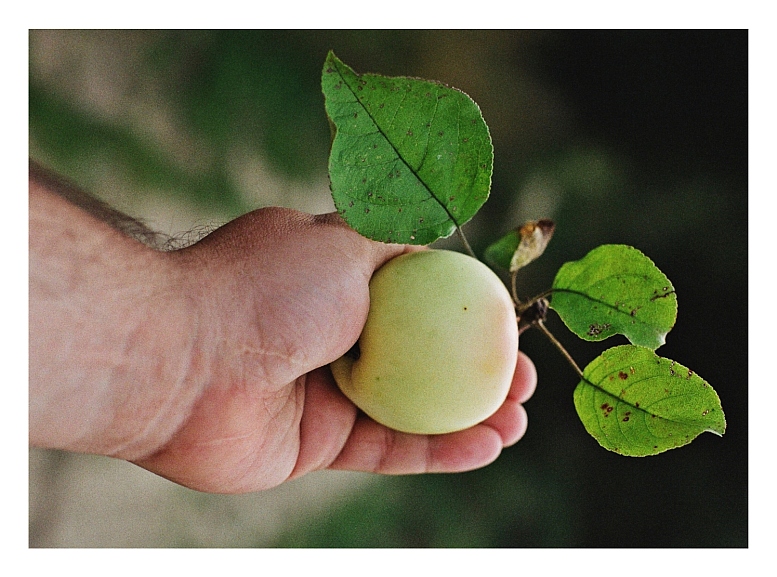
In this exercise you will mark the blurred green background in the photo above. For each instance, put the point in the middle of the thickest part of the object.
(633, 137)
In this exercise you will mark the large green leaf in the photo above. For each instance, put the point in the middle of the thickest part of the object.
(615, 289)
(411, 159)
(636, 403)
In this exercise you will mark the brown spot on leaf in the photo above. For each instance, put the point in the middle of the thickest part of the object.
(597, 329)
(661, 296)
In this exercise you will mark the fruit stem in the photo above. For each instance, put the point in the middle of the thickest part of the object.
(559, 346)
(518, 305)
(464, 241)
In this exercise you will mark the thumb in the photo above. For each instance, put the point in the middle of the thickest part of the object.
(290, 286)
(378, 253)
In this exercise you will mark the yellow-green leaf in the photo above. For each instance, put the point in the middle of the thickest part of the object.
(636, 403)
(615, 289)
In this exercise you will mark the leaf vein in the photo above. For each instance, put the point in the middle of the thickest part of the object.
(393, 145)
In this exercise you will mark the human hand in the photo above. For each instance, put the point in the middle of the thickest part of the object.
(279, 295)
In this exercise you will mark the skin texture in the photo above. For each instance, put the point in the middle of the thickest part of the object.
(438, 350)
(209, 365)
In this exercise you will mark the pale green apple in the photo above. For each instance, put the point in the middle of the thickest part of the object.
(439, 348)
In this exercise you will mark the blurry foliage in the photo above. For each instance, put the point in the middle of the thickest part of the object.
(476, 509)
(619, 136)
(242, 86)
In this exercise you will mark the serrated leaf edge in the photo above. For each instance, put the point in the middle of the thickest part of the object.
(585, 381)
(457, 223)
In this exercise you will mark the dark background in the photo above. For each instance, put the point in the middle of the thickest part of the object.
(633, 137)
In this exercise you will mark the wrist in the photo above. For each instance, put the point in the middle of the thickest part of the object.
(165, 362)
(111, 335)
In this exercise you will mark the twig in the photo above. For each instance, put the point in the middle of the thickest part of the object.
(514, 290)
(559, 346)
(528, 304)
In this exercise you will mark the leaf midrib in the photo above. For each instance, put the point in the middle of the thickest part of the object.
(604, 303)
(396, 151)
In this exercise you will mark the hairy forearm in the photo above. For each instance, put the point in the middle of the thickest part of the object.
(111, 333)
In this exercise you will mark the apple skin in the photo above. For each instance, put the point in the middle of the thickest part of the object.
(439, 347)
